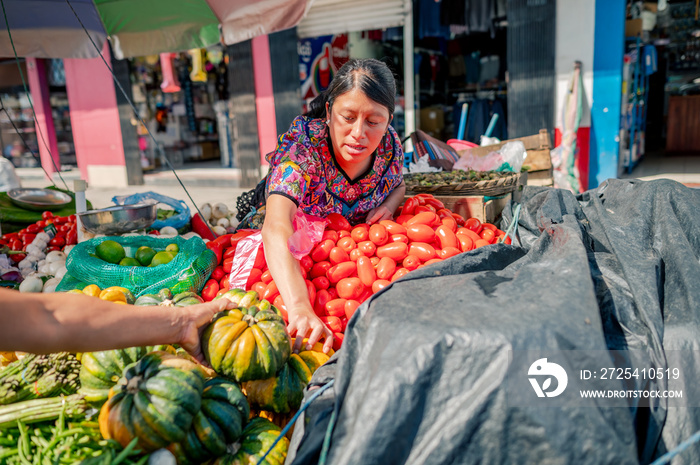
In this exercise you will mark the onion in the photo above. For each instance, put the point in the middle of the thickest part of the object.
(223, 222)
(168, 231)
(45, 268)
(55, 266)
(50, 285)
(206, 211)
(219, 230)
(220, 210)
(190, 235)
(67, 249)
(61, 272)
(42, 236)
(31, 284)
(56, 256)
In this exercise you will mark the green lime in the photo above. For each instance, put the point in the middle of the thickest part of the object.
(128, 261)
(174, 248)
(110, 251)
(161, 258)
(144, 255)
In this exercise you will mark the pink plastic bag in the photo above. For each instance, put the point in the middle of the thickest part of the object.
(308, 231)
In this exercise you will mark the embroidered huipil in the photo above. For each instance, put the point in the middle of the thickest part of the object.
(303, 169)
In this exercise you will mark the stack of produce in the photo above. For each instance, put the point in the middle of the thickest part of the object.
(350, 264)
(37, 376)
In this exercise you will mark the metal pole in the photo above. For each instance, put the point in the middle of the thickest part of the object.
(409, 83)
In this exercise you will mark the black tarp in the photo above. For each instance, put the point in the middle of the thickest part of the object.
(432, 371)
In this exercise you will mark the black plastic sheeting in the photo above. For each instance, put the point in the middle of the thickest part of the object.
(426, 372)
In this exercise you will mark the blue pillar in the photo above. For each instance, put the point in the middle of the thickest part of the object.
(608, 51)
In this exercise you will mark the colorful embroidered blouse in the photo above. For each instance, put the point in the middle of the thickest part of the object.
(303, 169)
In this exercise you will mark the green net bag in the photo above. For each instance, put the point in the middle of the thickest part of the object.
(188, 271)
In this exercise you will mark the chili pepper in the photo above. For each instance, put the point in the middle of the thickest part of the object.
(58, 241)
(217, 248)
(238, 235)
(200, 227)
(229, 252)
(228, 264)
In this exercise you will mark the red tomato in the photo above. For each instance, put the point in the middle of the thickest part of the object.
(450, 223)
(409, 206)
(422, 250)
(446, 237)
(18, 257)
(427, 217)
(311, 290)
(211, 288)
(224, 283)
(321, 282)
(254, 276)
(401, 272)
(330, 234)
(337, 341)
(402, 219)
(474, 224)
(333, 293)
(338, 255)
(386, 268)
(435, 203)
(322, 250)
(365, 271)
(350, 288)
(336, 307)
(333, 323)
(347, 243)
(322, 296)
(218, 273)
(411, 262)
(374, 261)
(259, 287)
(469, 233)
(319, 269)
(350, 307)
(448, 252)
(396, 251)
(392, 227)
(489, 226)
(480, 243)
(340, 271)
(465, 242)
(355, 254)
(488, 235)
(46, 215)
(266, 277)
(367, 247)
(271, 291)
(279, 304)
(425, 208)
(430, 262)
(342, 234)
(306, 262)
(378, 234)
(33, 229)
(360, 233)
(379, 285)
(228, 264)
(337, 222)
(420, 232)
(399, 238)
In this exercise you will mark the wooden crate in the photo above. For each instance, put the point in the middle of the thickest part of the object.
(538, 161)
(485, 209)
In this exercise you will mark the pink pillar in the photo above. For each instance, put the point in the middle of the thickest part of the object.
(45, 130)
(264, 96)
(95, 121)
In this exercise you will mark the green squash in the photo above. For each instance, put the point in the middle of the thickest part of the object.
(284, 392)
(257, 438)
(165, 298)
(100, 371)
(155, 401)
(246, 343)
(220, 421)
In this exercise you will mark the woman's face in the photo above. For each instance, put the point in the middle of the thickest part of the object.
(356, 125)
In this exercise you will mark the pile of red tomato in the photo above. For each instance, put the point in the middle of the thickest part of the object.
(66, 234)
(350, 264)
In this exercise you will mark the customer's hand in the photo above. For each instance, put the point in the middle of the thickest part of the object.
(194, 319)
(307, 325)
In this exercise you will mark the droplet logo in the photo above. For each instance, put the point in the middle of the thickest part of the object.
(542, 368)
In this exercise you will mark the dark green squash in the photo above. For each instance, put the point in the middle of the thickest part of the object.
(100, 371)
(165, 298)
(220, 421)
(155, 401)
(257, 438)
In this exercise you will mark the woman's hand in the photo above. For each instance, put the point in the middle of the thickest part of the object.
(308, 325)
(378, 214)
(194, 319)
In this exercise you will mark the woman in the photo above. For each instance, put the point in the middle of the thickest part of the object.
(341, 157)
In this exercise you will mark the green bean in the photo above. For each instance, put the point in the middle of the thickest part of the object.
(126, 452)
(6, 453)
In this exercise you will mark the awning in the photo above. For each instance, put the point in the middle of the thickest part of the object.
(51, 29)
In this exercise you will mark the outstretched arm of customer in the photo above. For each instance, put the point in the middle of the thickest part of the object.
(44, 323)
(276, 232)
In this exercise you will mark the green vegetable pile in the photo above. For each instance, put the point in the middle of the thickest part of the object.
(443, 178)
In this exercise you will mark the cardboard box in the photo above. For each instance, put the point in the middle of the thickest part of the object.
(485, 209)
(633, 27)
(432, 121)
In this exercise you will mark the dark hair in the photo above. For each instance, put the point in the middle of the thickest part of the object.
(371, 76)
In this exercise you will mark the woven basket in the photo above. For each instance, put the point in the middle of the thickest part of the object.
(499, 186)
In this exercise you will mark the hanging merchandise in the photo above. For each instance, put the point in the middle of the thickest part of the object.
(169, 83)
(566, 175)
(197, 74)
(189, 99)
